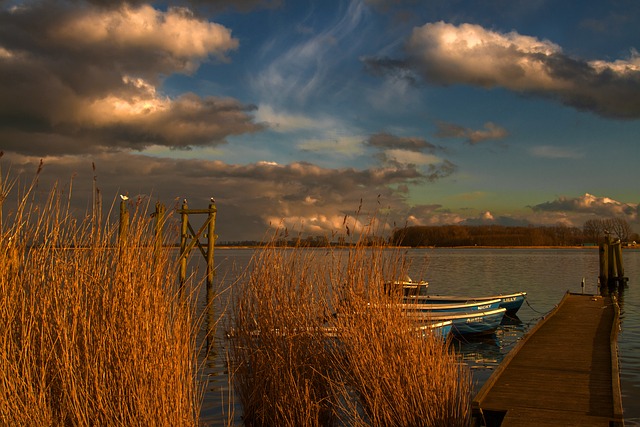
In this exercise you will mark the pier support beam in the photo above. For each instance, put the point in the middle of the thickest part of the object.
(189, 239)
(611, 265)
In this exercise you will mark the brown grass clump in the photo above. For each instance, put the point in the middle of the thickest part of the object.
(92, 334)
(315, 341)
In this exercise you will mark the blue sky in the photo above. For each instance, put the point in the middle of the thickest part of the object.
(296, 113)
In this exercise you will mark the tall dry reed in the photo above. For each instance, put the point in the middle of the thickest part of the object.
(316, 341)
(92, 334)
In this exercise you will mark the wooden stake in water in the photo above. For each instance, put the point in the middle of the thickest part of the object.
(611, 266)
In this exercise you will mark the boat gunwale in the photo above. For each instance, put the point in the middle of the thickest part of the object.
(451, 315)
(418, 306)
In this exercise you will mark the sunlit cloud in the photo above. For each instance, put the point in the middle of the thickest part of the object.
(89, 79)
(446, 54)
(590, 204)
(177, 32)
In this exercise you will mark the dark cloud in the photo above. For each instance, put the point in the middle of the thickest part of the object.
(491, 131)
(411, 152)
(442, 170)
(249, 197)
(385, 140)
(394, 68)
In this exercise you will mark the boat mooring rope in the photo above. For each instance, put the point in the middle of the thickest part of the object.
(539, 312)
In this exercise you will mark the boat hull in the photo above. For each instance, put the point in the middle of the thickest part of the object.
(511, 302)
(451, 307)
(440, 329)
(466, 323)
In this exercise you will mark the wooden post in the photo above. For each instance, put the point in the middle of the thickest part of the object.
(183, 243)
(611, 266)
(211, 239)
(618, 257)
(612, 274)
(124, 224)
(604, 264)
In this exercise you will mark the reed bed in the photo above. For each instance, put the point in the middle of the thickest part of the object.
(92, 334)
(316, 341)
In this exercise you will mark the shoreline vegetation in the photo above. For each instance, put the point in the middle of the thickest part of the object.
(105, 336)
(100, 336)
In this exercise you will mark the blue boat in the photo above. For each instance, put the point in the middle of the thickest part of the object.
(511, 302)
(465, 323)
(440, 329)
(418, 305)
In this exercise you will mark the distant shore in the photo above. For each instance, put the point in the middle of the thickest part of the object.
(434, 247)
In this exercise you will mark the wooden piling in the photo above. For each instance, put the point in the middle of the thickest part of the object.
(604, 264)
(611, 265)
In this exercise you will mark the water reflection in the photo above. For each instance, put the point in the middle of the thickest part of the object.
(483, 353)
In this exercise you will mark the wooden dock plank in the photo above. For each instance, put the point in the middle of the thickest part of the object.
(562, 373)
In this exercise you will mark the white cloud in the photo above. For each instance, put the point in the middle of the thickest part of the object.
(176, 31)
(470, 54)
(408, 157)
(590, 205)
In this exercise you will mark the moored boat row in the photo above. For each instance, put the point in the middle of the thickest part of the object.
(468, 315)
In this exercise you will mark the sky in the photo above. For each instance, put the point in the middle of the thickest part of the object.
(317, 115)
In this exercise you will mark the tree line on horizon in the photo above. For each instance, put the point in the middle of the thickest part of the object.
(593, 232)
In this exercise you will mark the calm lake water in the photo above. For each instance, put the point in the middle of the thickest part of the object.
(545, 274)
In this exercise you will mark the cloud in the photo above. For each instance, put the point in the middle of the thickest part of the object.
(433, 214)
(397, 151)
(491, 131)
(590, 204)
(249, 197)
(338, 146)
(87, 79)
(554, 152)
(182, 39)
(487, 218)
(447, 54)
(385, 141)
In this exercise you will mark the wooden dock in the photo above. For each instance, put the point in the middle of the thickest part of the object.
(564, 372)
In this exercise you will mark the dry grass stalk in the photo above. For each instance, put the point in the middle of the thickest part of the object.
(91, 336)
(377, 371)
